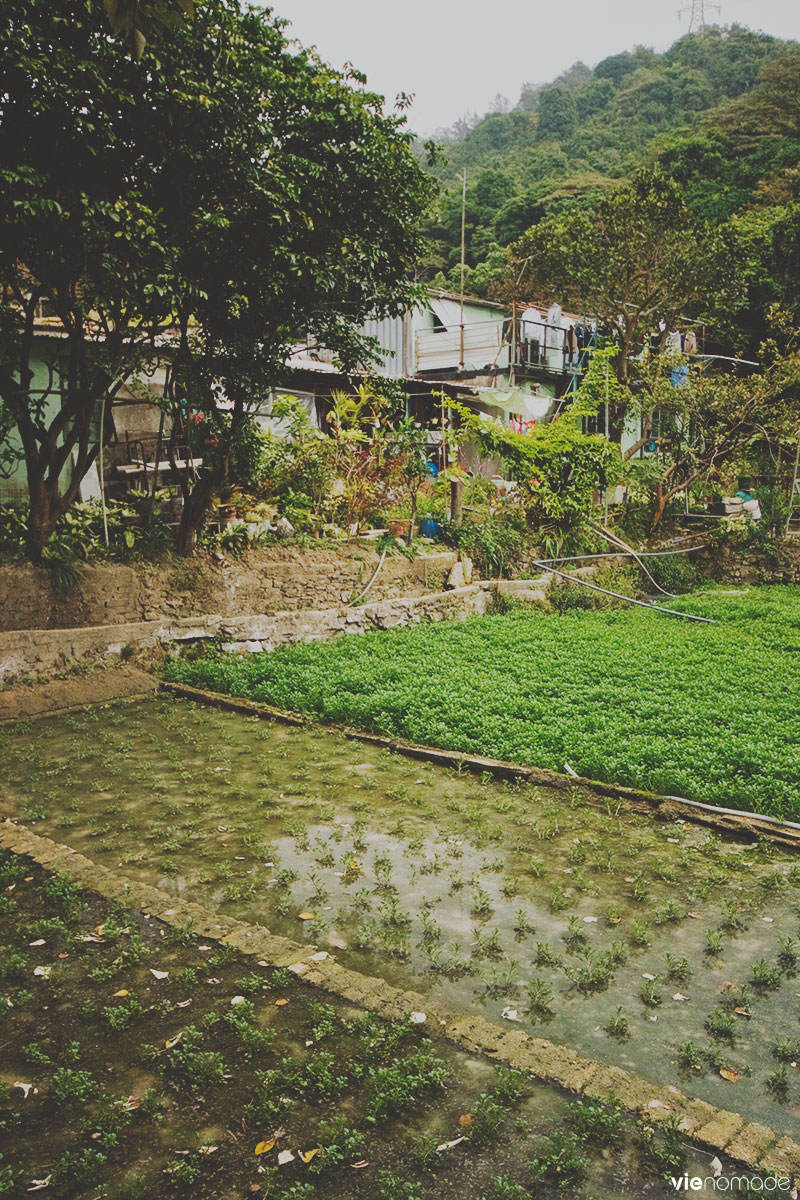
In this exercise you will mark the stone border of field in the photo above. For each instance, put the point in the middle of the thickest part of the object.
(756, 1146)
(665, 808)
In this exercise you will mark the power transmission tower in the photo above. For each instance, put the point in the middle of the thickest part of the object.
(697, 13)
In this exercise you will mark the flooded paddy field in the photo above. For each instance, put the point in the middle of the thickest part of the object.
(657, 947)
(138, 1061)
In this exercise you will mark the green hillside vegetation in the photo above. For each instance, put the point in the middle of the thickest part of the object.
(719, 111)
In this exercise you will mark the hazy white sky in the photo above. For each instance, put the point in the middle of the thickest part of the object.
(457, 55)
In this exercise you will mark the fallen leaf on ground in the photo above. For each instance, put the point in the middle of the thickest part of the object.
(130, 1104)
(42, 972)
(307, 1155)
(742, 1012)
(26, 1088)
(466, 1120)
(449, 1145)
(208, 1150)
(716, 1167)
(680, 996)
(647, 975)
(237, 1000)
(590, 920)
(337, 942)
(280, 1003)
(729, 1074)
(364, 1162)
(158, 974)
(170, 1042)
(38, 942)
(285, 1157)
(212, 980)
(306, 916)
(510, 1014)
(122, 992)
(182, 1004)
(38, 1184)
(417, 1018)
(265, 1146)
(694, 915)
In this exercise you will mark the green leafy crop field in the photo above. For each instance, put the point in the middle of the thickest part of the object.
(709, 712)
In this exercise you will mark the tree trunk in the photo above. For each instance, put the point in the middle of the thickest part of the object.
(195, 507)
(40, 520)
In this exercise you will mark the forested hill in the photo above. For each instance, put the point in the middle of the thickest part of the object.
(720, 110)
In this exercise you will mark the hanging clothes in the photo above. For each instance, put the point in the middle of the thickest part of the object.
(690, 343)
(554, 333)
(571, 344)
(531, 335)
(674, 341)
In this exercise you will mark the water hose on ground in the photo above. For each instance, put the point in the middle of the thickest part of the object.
(672, 612)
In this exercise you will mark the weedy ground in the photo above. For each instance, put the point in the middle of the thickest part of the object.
(633, 697)
(657, 947)
(140, 1062)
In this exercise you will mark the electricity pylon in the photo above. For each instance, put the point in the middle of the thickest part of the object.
(697, 13)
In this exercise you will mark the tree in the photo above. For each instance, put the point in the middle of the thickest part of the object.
(557, 113)
(703, 423)
(202, 208)
(637, 260)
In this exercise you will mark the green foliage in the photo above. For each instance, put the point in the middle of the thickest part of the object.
(147, 205)
(632, 697)
(68, 1086)
(715, 110)
(556, 466)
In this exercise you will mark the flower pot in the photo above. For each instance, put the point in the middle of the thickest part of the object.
(399, 528)
(429, 528)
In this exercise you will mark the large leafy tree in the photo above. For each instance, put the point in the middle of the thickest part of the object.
(201, 207)
(636, 262)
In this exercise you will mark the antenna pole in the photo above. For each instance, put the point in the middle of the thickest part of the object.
(463, 258)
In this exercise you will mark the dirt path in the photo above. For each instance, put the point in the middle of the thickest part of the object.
(113, 683)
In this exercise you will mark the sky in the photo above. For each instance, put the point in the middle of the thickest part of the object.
(456, 56)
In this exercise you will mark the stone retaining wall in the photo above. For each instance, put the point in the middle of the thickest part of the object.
(718, 1130)
(269, 580)
(44, 651)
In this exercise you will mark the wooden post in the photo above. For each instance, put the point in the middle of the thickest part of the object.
(456, 502)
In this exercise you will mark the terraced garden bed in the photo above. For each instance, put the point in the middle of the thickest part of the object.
(655, 947)
(708, 712)
(139, 1061)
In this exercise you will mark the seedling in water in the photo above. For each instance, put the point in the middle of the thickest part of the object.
(713, 944)
(617, 1026)
(690, 1056)
(777, 1084)
(679, 969)
(545, 956)
(540, 998)
(481, 903)
(650, 995)
(764, 976)
(576, 934)
(721, 1025)
(639, 933)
